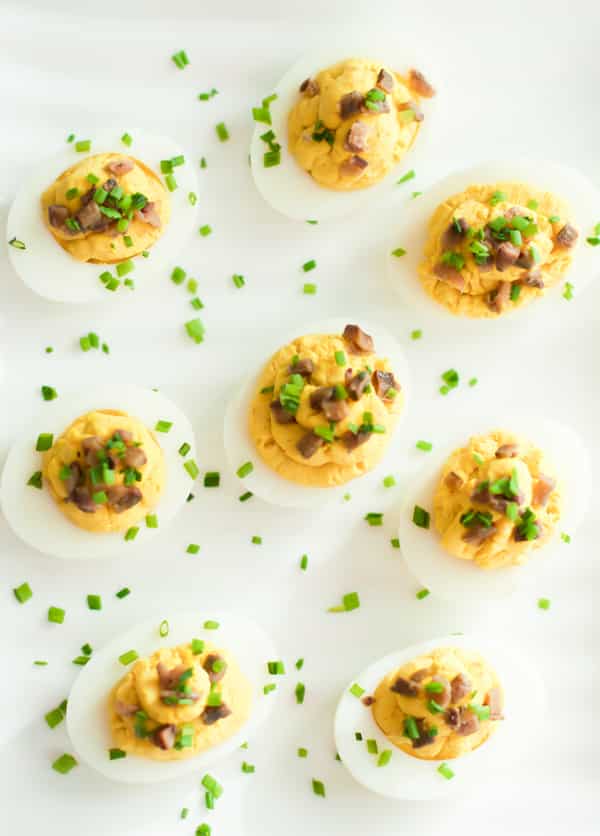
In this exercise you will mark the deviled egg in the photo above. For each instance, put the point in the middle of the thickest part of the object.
(473, 519)
(456, 699)
(337, 127)
(170, 696)
(90, 480)
(82, 228)
(322, 413)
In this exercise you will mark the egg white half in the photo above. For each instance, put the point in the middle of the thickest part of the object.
(409, 778)
(291, 190)
(33, 514)
(50, 271)
(408, 220)
(265, 482)
(454, 579)
(88, 716)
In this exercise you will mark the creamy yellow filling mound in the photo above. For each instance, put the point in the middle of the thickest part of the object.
(163, 723)
(498, 499)
(439, 706)
(370, 418)
(454, 271)
(319, 129)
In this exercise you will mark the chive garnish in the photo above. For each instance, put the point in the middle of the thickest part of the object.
(131, 533)
(35, 480)
(309, 265)
(94, 602)
(151, 521)
(180, 59)
(426, 446)
(248, 768)
(238, 280)
(23, 592)
(398, 252)
(309, 289)
(64, 764)
(276, 668)
(246, 496)
(566, 538)
(318, 787)
(44, 442)
(302, 752)
(211, 625)
(128, 657)
(374, 518)
(416, 335)
(544, 603)
(195, 330)
(163, 426)
(55, 717)
(56, 615)
(192, 469)
(271, 686)
(222, 131)
(212, 479)
(245, 470)
(212, 786)
(193, 548)
(395, 543)
(116, 754)
(204, 97)
(420, 517)
(568, 291)
(384, 758)
(304, 562)
(445, 771)
(184, 813)
(257, 540)
(356, 690)
(406, 177)
(184, 449)
(422, 593)
(83, 145)
(205, 230)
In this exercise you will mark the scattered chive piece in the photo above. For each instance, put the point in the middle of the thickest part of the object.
(238, 280)
(203, 163)
(374, 518)
(299, 664)
(204, 97)
(163, 628)
(23, 592)
(64, 764)
(193, 548)
(406, 177)
(257, 540)
(205, 230)
(309, 289)
(184, 813)
(568, 291)
(44, 442)
(395, 542)
(304, 562)
(212, 785)
(209, 801)
(222, 131)
(245, 470)
(131, 533)
(246, 496)
(445, 771)
(416, 194)
(566, 538)
(178, 275)
(123, 593)
(151, 521)
(86, 649)
(248, 768)
(48, 349)
(384, 758)
(163, 426)
(71, 137)
(55, 717)
(416, 335)
(184, 449)
(340, 358)
(276, 668)
(420, 517)
(171, 182)
(84, 343)
(125, 267)
(309, 265)
(356, 690)
(191, 286)
(211, 625)
(91, 178)
(426, 446)
(192, 468)
(532, 204)
(116, 754)
(212, 479)
(302, 753)
(399, 251)
(204, 829)
(94, 602)
(18, 245)
(300, 692)
(389, 482)
(473, 381)
(269, 687)
(422, 593)
(544, 603)
(318, 787)
(81, 660)
(195, 330)
(180, 59)
(41, 663)
(196, 304)
(128, 657)
(197, 646)
(71, 194)
(35, 480)
(56, 615)
(83, 145)
(126, 139)
(372, 748)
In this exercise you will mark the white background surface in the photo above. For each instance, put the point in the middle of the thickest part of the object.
(516, 79)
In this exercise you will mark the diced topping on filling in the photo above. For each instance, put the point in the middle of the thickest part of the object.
(420, 85)
(385, 81)
(309, 87)
(351, 104)
(356, 138)
(567, 236)
(360, 343)
(353, 165)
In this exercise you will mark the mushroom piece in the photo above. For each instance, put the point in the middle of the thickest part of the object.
(507, 451)
(134, 457)
(533, 278)
(469, 722)
(303, 367)
(280, 414)
(497, 299)
(420, 675)
(82, 498)
(91, 446)
(449, 274)
(356, 385)
(149, 214)
(385, 81)
(420, 85)
(320, 395)
(164, 736)
(168, 678)
(57, 215)
(208, 665)
(335, 410)
(567, 236)
(493, 699)
(461, 687)
(212, 713)
(405, 687)
(506, 256)
(353, 440)
(120, 167)
(455, 233)
(91, 218)
(356, 138)
(425, 737)
(383, 382)
(122, 498)
(310, 87)
(477, 534)
(124, 435)
(74, 478)
(442, 698)
(452, 718)
(351, 103)
(309, 444)
(360, 342)
(126, 709)
(453, 481)
(353, 165)
(542, 489)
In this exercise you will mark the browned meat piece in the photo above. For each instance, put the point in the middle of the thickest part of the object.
(335, 410)
(126, 709)
(443, 697)
(520, 535)
(309, 87)
(469, 722)
(309, 444)
(506, 256)
(425, 736)
(449, 274)
(109, 184)
(490, 242)
(359, 342)
(476, 534)
(461, 687)
(125, 435)
(419, 676)
(420, 85)
(122, 498)
(452, 718)
(542, 489)
(74, 479)
(498, 298)
(212, 713)
(525, 259)
(357, 385)
(57, 215)
(507, 451)
(281, 415)
(168, 678)
(515, 211)
(91, 447)
(485, 266)
(405, 687)
(567, 236)
(353, 165)
(91, 218)
(383, 382)
(454, 234)
(82, 497)
(498, 502)
(418, 113)
(494, 700)
(214, 676)
(320, 395)
(368, 701)
(164, 736)
(120, 167)
(356, 138)
(303, 367)
(353, 440)
(453, 481)
(134, 457)
(385, 81)
(351, 103)
(149, 214)
(533, 279)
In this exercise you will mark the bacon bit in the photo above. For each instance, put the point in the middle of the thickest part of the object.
(507, 451)
(567, 236)
(212, 713)
(310, 87)
(351, 103)
(461, 687)
(450, 275)
(120, 167)
(476, 534)
(309, 444)
(280, 414)
(533, 279)
(420, 85)
(356, 138)
(303, 367)
(385, 81)
(368, 701)
(499, 297)
(542, 490)
(453, 481)
(352, 440)
(149, 214)
(383, 382)
(360, 342)
(164, 736)
(353, 165)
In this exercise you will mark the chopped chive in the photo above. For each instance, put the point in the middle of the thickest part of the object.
(163, 426)
(374, 518)
(211, 625)
(267, 689)
(204, 97)
(178, 275)
(420, 517)
(71, 194)
(212, 785)
(302, 753)
(568, 291)
(257, 540)
(276, 668)
(56, 615)
(116, 754)
(131, 533)
(398, 252)
(203, 163)
(123, 593)
(245, 470)
(92, 178)
(81, 660)
(71, 137)
(238, 280)
(180, 59)
(566, 538)
(246, 496)
(372, 747)
(18, 245)
(192, 469)
(309, 265)
(128, 657)
(406, 177)
(191, 286)
(151, 521)
(64, 764)
(532, 204)
(205, 230)
(356, 690)
(300, 692)
(195, 330)
(395, 542)
(544, 603)
(35, 480)
(445, 771)
(212, 479)
(23, 592)
(426, 446)
(184, 813)
(209, 801)
(125, 267)
(193, 548)
(416, 335)
(304, 562)
(163, 628)
(422, 593)
(473, 381)
(197, 646)
(94, 602)
(44, 442)
(222, 131)
(340, 358)
(87, 649)
(389, 482)
(384, 758)
(41, 663)
(192, 198)
(248, 768)
(126, 139)
(309, 289)
(83, 145)
(318, 787)
(196, 304)
(184, 449)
